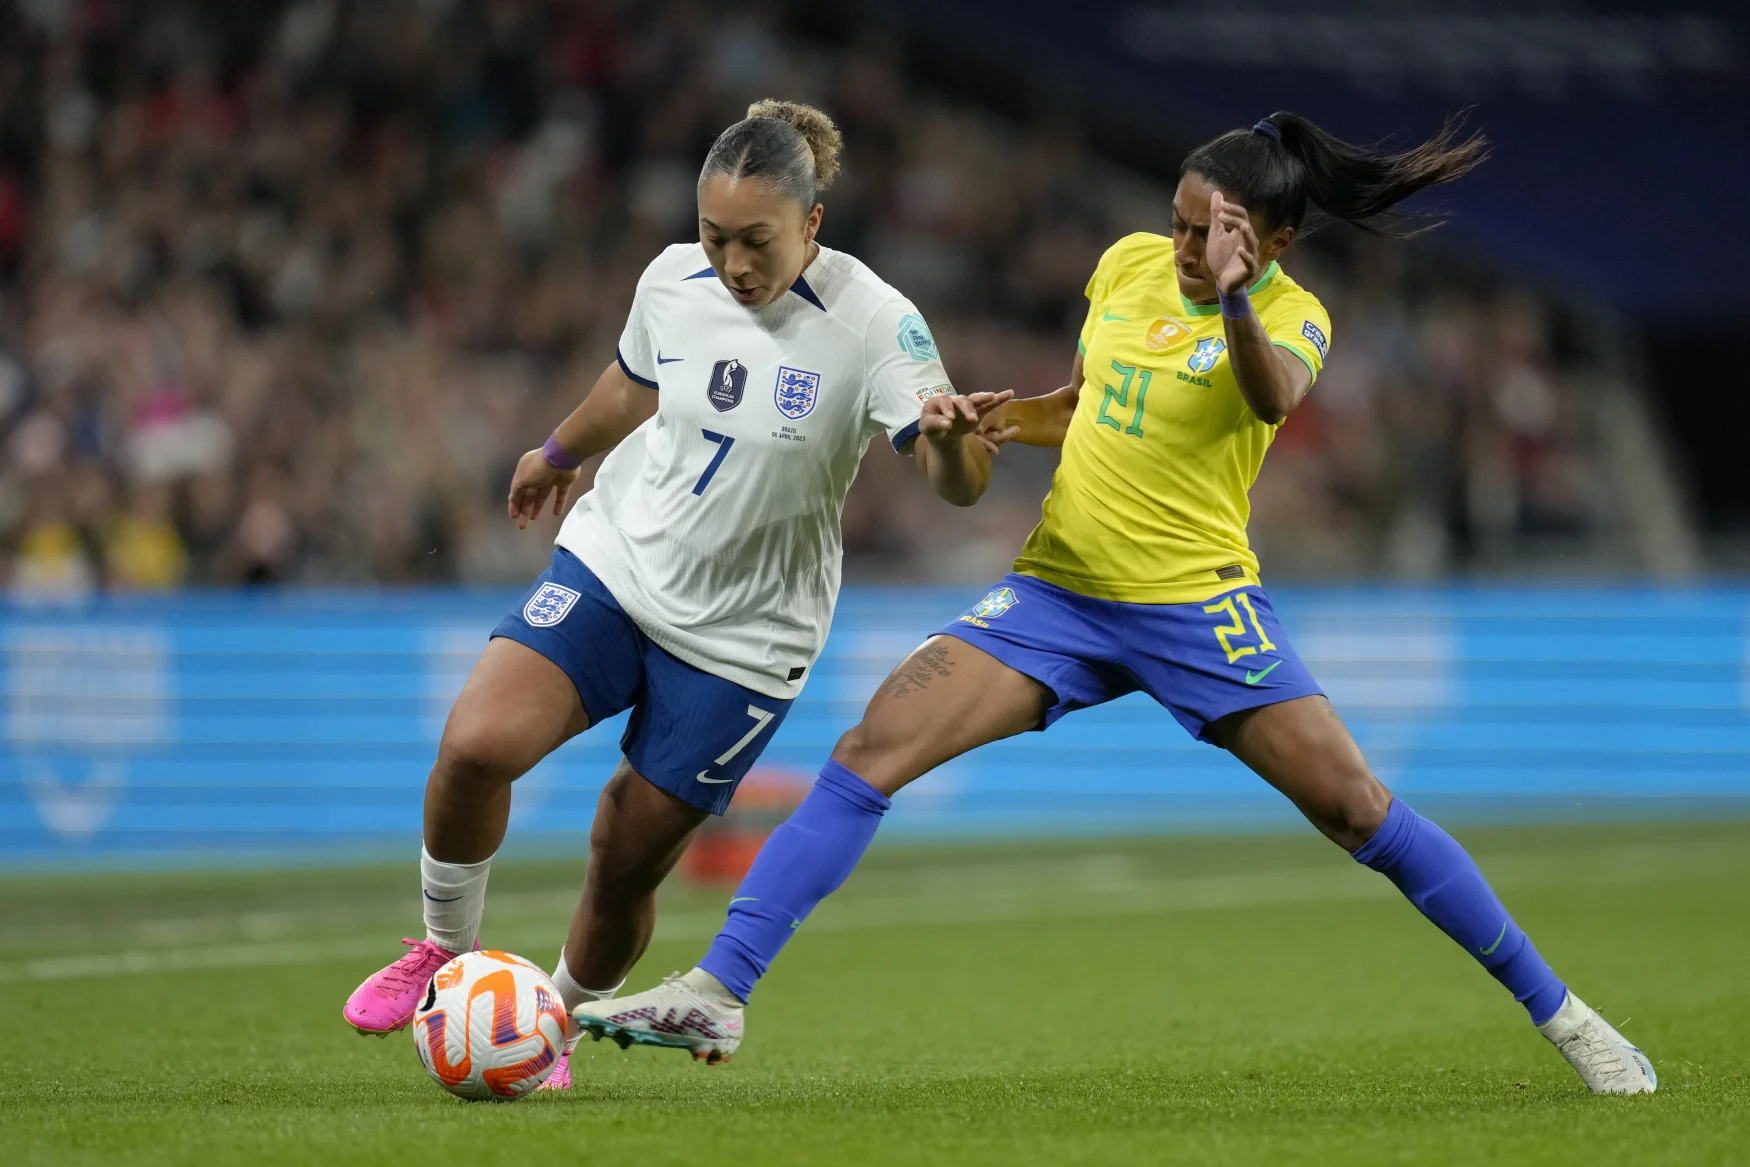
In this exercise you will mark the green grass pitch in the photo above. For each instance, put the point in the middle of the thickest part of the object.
(1195, 1000)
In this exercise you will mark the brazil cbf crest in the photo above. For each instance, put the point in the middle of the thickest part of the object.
(728, 381)
(1207, 352)
(796, 392)
(550, 604)
(1000, 600)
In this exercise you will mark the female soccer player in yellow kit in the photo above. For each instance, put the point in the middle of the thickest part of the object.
(1139, 576)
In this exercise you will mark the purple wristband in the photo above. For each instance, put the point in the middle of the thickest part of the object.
(1236, 306)
(557, 456)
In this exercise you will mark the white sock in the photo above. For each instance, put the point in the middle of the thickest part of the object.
(574, 994)
(712, 989)
(454, 899)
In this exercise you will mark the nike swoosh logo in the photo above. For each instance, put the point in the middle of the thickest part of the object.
(662, 360)
(712, 781)
(1253, 678)
(1490, 950)
(744, 900)
(435, 900)
(1109, 316)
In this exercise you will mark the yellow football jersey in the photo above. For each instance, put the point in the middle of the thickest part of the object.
(1149, 502)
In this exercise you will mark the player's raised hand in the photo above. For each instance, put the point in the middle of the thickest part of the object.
(949, 418)
(993, 437)
(994, 431)
(1232, 250)
(534, 480)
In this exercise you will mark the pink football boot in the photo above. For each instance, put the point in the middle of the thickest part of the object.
(387, 999)
(560, 1078)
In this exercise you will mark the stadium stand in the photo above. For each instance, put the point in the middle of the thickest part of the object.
(285, 290)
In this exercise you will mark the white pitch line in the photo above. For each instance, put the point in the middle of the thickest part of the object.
(1090, 891)
(221, 956)
(1075, 872)
(1126, 897)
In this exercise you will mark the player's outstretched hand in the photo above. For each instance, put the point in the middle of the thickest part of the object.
(951, 417)
(1232, 250)
(534, 480)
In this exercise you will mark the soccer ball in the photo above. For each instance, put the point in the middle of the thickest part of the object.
(491, 1027)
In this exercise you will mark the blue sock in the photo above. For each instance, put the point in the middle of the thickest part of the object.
(1445, 884)
(804, 861)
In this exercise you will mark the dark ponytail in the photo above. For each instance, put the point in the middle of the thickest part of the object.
(1285, 163)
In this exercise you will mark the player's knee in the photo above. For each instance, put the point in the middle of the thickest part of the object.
(1355, 810)
(862, 748)
(610, 861)
(473, 752)
(606, 840)
(621, 859)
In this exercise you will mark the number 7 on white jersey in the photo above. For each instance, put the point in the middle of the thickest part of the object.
(761, 719)
(723, 442)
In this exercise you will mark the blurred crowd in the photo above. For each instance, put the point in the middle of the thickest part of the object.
(285, 289)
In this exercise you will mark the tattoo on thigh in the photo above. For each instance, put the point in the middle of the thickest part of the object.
(929, 663)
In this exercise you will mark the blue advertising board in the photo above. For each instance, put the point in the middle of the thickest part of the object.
(237, 726)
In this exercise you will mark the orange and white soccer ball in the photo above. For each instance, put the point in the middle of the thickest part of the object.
(491, 1026)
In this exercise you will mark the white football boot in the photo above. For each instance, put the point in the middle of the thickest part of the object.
(1607, 1062)
(692, 1012)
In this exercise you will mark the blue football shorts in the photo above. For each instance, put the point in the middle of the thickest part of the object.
(1202, 661)
(693, 734)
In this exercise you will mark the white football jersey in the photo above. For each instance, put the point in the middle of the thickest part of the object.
(716, 523)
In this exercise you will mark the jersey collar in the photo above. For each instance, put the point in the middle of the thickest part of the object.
(800, 287)
(1263, 282)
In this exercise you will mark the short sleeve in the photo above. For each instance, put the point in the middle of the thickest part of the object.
(902, 370)
(1099, 286)
(637, 350)
(1300, 324)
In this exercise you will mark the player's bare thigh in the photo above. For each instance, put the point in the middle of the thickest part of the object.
(1302, 748)
(944, 699)
(515, 709)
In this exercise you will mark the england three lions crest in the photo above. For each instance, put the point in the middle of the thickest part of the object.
(796, 392)
(550, 604)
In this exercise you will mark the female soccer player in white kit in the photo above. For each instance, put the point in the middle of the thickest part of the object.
(695, 582)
